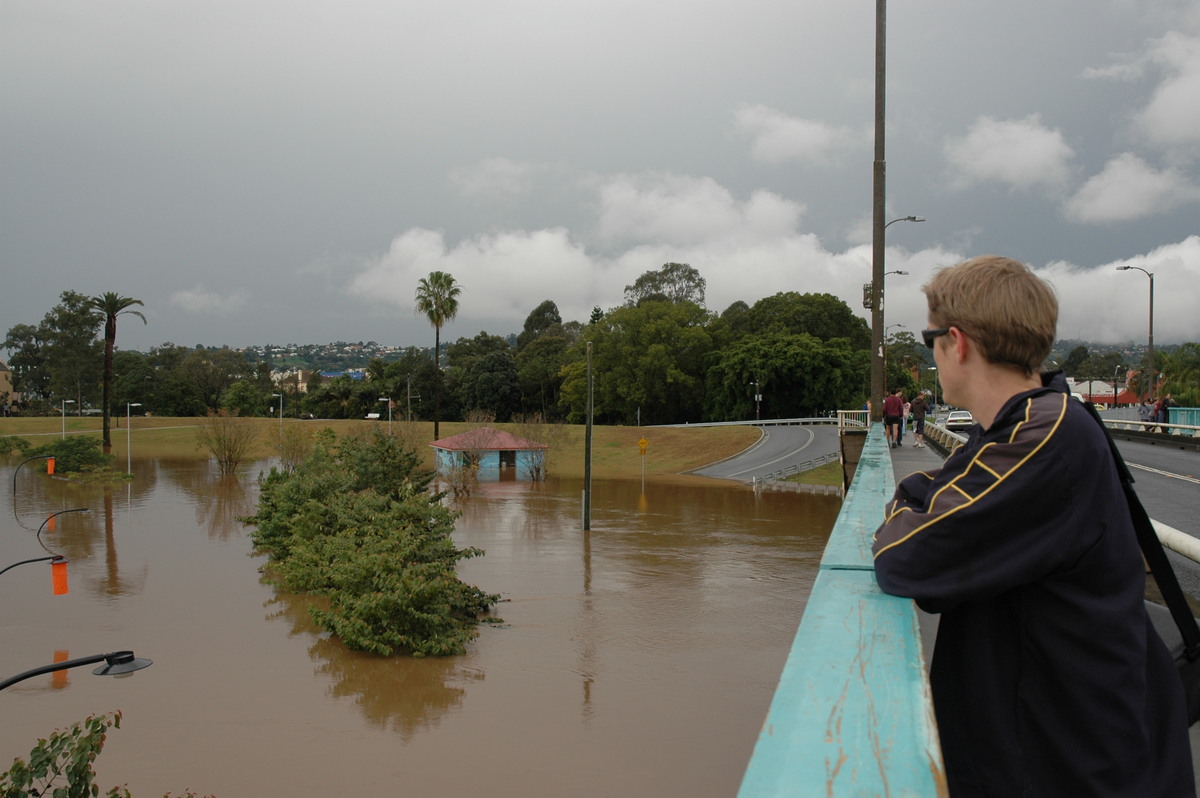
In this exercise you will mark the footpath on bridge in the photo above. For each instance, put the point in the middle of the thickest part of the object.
(908, 458)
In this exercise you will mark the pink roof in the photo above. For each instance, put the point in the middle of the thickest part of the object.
(485, 439)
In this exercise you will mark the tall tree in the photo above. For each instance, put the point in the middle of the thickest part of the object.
(74, 359)
(111, 305)
(674, 282)
(437, 300)
(540, 321)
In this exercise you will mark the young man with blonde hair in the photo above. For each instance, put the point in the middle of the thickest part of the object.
(1048, 677)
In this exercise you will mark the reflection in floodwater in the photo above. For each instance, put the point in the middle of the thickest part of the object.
(402, 694)
(637, 659)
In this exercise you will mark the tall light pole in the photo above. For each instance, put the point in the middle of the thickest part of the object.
(129, 437)
(65, 402)
(280, 411)
(1150, 347)
(878, 180)
(388, 399)
(878, 269)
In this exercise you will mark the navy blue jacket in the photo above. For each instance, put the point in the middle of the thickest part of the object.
(1048, 678)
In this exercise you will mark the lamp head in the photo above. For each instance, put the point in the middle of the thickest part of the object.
(121, 662)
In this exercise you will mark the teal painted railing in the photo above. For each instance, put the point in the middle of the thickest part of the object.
(852, 715)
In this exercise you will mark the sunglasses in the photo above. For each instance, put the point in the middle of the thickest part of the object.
(929, 336)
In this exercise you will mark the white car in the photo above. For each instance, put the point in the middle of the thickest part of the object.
(960, 420)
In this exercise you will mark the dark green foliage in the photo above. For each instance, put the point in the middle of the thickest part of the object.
(10, 444)
(76, 453)
(354, 522)
(798, 375)
(674, 282)
(67, 754)
(540, 321)
(491, 384)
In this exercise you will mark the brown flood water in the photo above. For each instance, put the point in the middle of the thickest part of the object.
(637, 659)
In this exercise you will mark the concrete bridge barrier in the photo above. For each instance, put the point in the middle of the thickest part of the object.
(852, 714)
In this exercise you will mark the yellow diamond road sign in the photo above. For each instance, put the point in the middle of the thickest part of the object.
(643, 443)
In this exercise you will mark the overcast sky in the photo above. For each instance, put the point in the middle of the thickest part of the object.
(262, 171)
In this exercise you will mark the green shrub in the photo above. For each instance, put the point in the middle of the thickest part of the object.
(69, 754)
(11, 444)
(354, 521)
(75, 453)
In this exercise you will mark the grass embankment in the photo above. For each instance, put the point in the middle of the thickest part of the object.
(615, 453)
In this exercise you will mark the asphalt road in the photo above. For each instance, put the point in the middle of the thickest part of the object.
(779, 447)
(1167, 480)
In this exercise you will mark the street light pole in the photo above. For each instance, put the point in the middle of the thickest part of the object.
(115, 664)
(65, 402)
(1150, 346)
(388, 399)
(878, 270)
(878, 180)
(129, 436)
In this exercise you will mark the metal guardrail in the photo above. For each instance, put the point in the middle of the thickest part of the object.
(1174, 539)
(798, 468)
(766, 422)
(1186, 430)
(853, 419)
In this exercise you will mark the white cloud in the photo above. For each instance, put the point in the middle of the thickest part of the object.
(1124, 67)
(200, 301)
(504, 275)
(1103, 305)
(682, 210)
(495, 178)
(1172, 116)
(746, 251)
(1022, 153)
(778, 138)
(1129, 188)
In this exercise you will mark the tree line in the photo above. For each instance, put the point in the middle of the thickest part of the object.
(660, 357)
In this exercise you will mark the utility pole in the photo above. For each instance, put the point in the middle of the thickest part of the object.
(587, 449)
(879, 173)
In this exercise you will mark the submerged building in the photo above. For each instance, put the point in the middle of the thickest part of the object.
(492, 454)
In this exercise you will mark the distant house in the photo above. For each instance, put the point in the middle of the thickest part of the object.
(493, 455)
(7, 398)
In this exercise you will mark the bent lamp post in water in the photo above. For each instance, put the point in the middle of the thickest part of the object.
(115, 664)
(58, 571)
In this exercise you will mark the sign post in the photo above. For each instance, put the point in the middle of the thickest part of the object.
(642, 444)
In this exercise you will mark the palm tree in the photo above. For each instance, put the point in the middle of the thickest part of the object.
(111, 305)
(437, 299)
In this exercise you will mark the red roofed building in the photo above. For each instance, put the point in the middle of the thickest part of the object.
(491, 453)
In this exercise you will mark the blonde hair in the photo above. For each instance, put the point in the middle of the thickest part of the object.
(1008, 311)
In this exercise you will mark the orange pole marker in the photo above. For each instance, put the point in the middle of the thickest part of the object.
(58, 575)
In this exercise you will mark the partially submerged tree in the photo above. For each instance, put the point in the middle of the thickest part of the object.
(228, 437)
(354, 522)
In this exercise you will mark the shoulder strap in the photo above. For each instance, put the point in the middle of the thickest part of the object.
(1152, 550)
